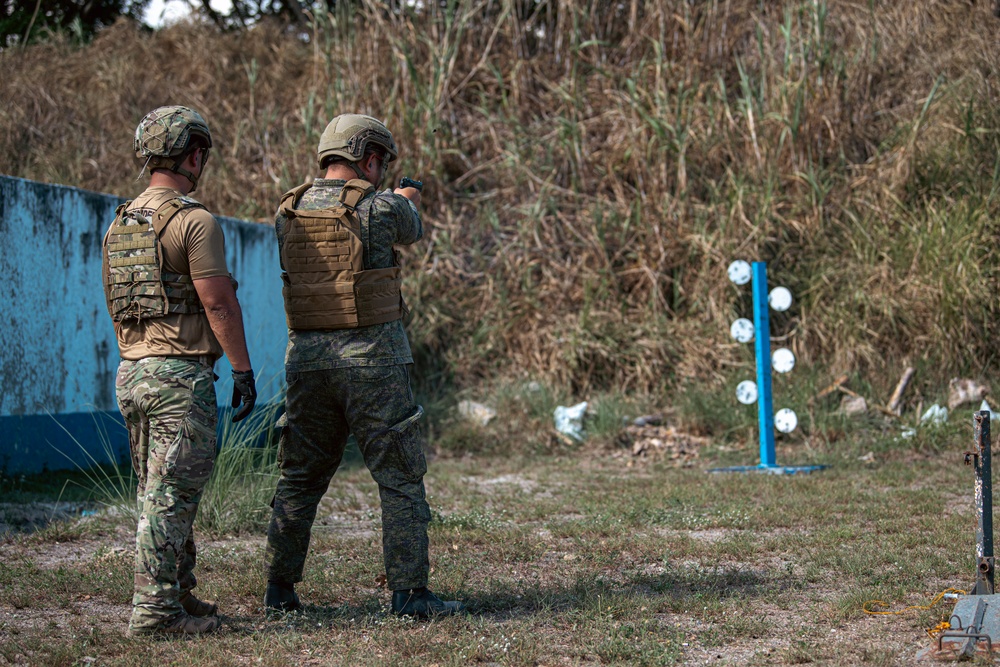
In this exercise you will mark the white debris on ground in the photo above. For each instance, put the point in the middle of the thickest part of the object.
(934, 415)
(569, 420)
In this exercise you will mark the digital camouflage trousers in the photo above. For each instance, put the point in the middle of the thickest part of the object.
(376, 405)
(170, 410)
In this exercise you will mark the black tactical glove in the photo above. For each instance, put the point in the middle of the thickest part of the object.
(245, 392)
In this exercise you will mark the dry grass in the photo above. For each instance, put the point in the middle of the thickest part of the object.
(592, 168)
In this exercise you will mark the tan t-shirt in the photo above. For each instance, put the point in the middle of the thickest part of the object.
(192, 244)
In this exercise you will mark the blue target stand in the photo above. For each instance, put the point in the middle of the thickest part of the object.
(747, 392)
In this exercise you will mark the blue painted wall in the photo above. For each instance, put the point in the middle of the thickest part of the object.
(58, 355)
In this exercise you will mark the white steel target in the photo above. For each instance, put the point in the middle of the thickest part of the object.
(742, 330)
(783, 360)
(780, 299)
(785, 420)
(746, 392)
(739, 272)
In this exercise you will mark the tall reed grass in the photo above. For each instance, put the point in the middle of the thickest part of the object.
(236, 497)
(591, 169)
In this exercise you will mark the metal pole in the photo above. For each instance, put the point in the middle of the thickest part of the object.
(762, 348)
(984, 505)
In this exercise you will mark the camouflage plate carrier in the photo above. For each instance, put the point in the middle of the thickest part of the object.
(325, 283)
(135, 285)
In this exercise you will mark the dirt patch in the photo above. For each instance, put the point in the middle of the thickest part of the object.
(654, 442)
(351, 524)
(51, 555)
(511, 480)
(29, 517)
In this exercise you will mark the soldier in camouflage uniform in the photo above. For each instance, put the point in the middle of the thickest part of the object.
(175, 312)
(347, 362)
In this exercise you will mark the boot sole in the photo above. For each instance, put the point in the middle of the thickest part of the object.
(170, 632)
(166, 634)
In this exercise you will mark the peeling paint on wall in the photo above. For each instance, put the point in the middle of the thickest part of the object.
(58, 353)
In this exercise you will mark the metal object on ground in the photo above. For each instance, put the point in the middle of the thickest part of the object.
(981, 459)
(771, 470)
(975, 622)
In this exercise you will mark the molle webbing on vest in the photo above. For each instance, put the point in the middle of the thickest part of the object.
(326, 284)
(135, 285)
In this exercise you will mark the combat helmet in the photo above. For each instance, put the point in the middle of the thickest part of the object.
(348, 136)
(164, 137)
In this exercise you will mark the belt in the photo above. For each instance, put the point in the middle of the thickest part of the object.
(204, 359)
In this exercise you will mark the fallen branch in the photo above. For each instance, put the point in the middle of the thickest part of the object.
(837, 384)
(896, 400)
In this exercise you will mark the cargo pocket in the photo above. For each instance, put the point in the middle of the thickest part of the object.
(190, 459)
(407, 440)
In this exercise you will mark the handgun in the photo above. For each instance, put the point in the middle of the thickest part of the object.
(407, 182)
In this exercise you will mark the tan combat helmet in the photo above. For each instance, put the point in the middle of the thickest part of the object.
(164, 138)
(349, 136)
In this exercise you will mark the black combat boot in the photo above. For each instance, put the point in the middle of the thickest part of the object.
(421, 603)
(281, 597)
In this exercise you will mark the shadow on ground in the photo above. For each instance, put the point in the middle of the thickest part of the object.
(501, 603)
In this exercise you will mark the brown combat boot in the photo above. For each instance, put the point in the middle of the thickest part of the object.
(195, 607)
(185, 624)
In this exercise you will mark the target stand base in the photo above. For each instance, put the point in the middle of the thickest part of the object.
(975, 624)
(769, 469)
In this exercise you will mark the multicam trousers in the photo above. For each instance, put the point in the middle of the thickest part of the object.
(376, 405)
(170, 409)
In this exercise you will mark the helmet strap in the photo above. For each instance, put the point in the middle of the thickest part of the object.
(357, 170)
(176, 168)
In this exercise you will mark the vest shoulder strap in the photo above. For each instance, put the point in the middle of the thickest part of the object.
(291, 198)
(354, 191)
(167, 210)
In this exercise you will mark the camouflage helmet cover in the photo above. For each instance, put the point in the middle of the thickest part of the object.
(167, 131)
(348, 136)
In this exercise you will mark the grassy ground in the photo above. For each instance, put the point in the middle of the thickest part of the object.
(586, 556)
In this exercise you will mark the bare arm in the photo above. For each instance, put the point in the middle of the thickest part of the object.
(225, 317)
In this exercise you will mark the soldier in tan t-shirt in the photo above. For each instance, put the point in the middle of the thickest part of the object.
(192, 245)
(174, 307)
